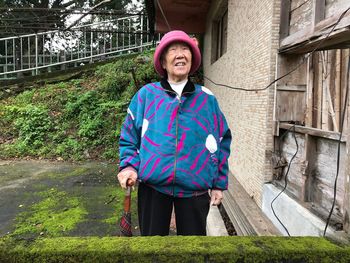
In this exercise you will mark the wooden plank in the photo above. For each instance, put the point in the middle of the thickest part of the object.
(325, 171)
(299, 37)
(314, 132)
(346, 218)
(337, 82)
(309, 91)
(297, 88)
(290, 106)
(320, 91)
(324, 108)
(284, 20)
(308, 38)
(319, 10)
(329, 87)
(309, 166)
(317, 91)
(344, 69)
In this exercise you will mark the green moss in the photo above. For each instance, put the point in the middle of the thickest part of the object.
(117, 195)
(73, 173)
(53, 216)
(174, 249)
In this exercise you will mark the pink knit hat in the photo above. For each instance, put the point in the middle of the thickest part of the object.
(177, 36)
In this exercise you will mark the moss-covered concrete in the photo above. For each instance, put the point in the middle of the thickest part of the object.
(57, 199)
(174, 249)
(56, 214)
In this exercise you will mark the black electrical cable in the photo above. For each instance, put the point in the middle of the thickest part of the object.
(285, 177)
(338, 154)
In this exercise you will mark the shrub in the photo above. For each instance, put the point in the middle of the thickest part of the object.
(75, 119)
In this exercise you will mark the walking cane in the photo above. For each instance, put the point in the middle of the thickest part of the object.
(125, 220)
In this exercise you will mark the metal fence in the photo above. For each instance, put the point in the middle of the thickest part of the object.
(56, 50)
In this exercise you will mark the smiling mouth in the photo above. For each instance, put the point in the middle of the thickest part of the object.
(180, 64)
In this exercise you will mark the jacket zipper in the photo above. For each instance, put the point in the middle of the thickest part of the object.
(176, 134)
(176, 142)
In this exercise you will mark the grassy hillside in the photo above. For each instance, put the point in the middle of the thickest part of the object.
(73, 120)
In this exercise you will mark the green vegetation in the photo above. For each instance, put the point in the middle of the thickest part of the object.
(174, 249)
(56, 214)
(77, 119)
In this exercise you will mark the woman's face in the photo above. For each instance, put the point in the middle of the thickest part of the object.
(177, 61)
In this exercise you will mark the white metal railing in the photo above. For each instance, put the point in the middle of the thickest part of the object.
(54, 50)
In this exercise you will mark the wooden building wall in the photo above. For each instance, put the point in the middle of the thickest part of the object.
(312, 98)
(312, 173)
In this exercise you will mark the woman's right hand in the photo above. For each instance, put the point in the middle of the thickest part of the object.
(126, 174)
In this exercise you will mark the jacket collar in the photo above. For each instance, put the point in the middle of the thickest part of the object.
(187, 91)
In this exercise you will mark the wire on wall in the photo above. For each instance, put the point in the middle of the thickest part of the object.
(286, 175)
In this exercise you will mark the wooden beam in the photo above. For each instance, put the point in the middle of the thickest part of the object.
(345, 84)
(314, 132)
(328, 115)
(309, 91)
(324, 108)
(337, 85)
(308, 38)
(284, 18)
(317, 91)
(309, 166)
(297, 88)
(331, 88)
(319, 10)
(346, 132)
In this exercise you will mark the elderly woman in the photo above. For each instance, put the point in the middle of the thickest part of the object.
(175, 141)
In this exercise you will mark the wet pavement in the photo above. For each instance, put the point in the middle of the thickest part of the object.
(52, 199)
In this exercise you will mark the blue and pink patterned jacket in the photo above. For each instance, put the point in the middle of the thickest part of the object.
(178, 146)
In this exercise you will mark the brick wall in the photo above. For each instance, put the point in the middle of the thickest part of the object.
(249, 63)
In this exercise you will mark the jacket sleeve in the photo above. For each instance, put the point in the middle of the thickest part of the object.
(130, 136)
(221, 181)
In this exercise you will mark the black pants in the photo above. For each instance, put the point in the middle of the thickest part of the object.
(155, 208)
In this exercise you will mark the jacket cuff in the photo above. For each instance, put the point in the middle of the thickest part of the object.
(127, 168)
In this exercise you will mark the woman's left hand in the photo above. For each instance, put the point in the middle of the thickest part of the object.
(216, 197)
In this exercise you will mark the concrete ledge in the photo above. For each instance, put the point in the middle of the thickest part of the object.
(297, 219)
(173, 249)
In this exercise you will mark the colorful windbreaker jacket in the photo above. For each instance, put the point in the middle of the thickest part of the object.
(179, 146)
